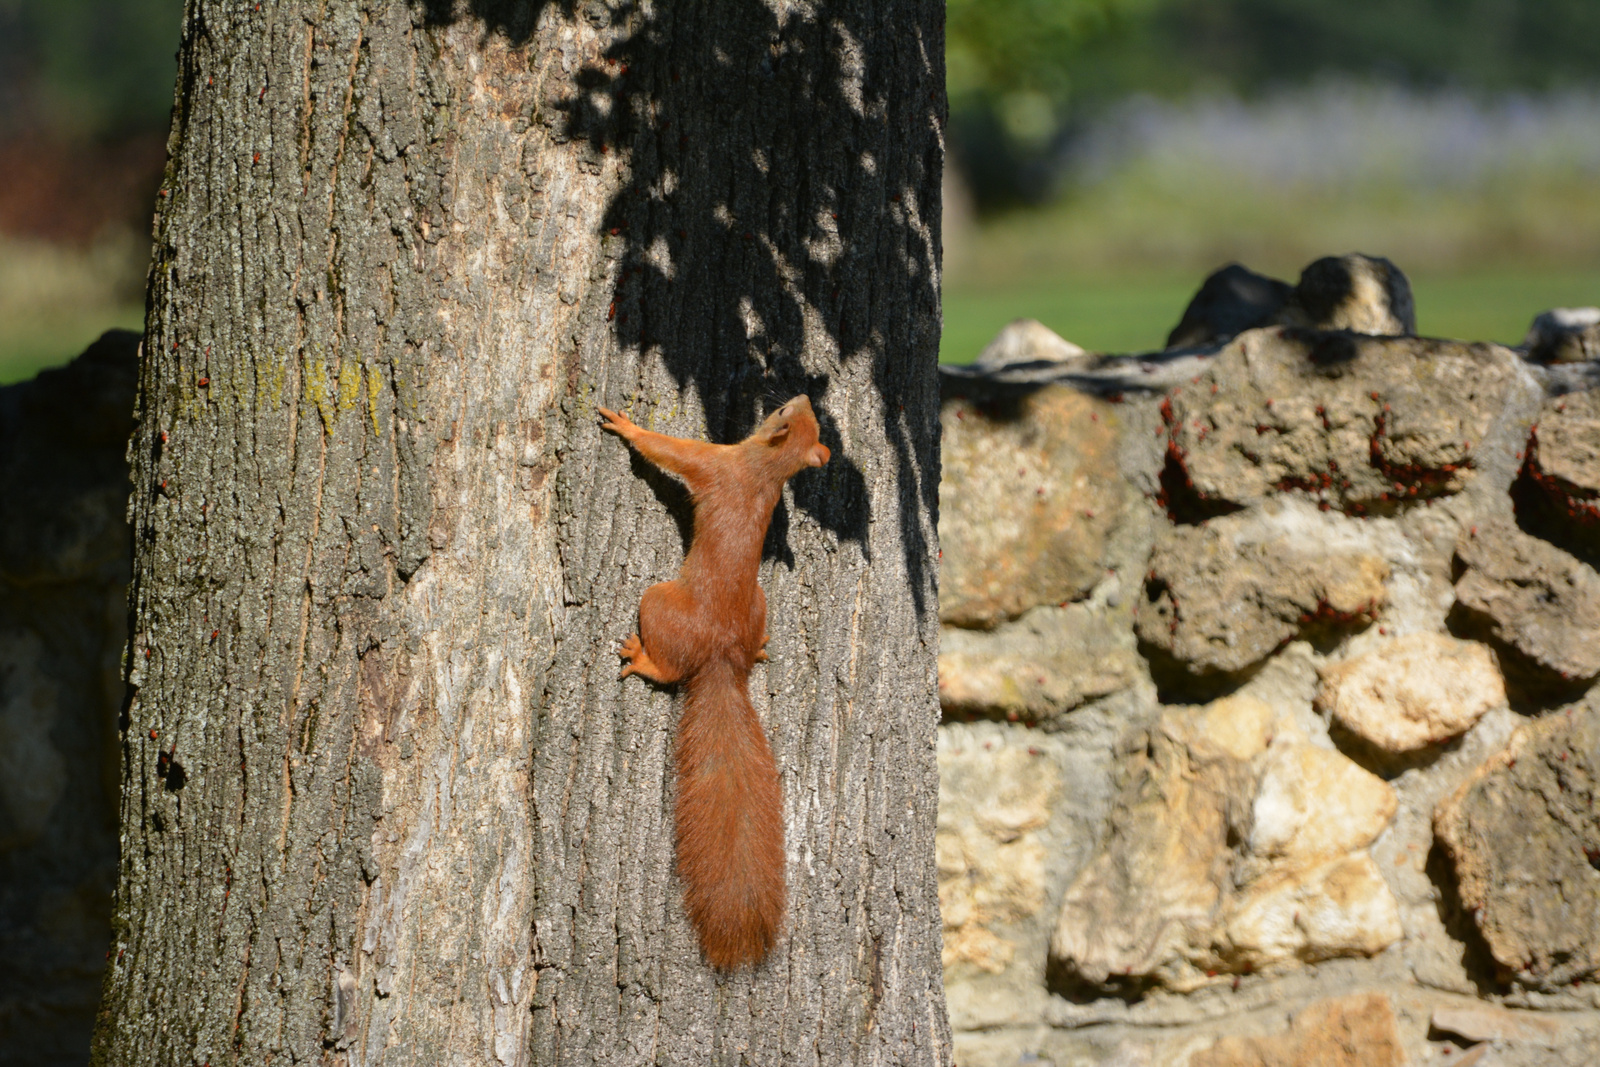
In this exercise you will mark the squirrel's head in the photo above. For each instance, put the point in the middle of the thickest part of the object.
(792, 430)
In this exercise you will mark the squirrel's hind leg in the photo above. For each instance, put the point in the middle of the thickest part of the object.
(661, 651)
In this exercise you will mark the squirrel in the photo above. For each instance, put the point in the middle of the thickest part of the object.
(706, 629)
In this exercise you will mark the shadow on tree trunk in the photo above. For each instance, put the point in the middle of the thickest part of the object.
(733, 310)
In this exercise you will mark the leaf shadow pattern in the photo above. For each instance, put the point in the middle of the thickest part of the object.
(780, 170)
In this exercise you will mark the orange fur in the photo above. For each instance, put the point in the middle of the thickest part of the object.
(706, 629)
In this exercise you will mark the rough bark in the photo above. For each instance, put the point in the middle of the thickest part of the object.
(385, 800)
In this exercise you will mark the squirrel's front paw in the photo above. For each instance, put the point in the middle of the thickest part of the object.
(617, 422)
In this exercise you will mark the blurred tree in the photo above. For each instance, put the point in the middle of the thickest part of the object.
(999, 47)
(1009, 69)
(1023, 73)
(1256, 45)
(87, 68)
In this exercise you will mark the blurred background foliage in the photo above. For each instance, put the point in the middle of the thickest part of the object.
(88, 68)
(1105, 155)
(1025, 76)
(85, 94)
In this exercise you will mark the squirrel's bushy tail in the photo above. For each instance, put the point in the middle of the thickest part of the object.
(730, 822)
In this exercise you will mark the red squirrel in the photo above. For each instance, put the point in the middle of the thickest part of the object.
(706, 629)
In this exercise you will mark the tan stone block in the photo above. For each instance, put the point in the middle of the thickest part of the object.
(1485, 1022)
(1170, 899)
(995, 794)
(1029, 493)
(1314, 804)
(1355, 1031)
(1524, 839)
(1343, 908)
(1412, 692)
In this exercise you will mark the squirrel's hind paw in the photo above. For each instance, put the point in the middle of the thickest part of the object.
(641, 664)
(633, 651)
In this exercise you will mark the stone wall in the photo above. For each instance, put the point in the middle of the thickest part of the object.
(1271, 728)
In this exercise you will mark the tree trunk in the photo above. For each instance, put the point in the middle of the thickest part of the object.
(385, 799)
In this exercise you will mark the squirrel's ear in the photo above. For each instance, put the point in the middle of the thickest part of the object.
(779, 434)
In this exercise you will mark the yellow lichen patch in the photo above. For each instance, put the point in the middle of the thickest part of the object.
(374, 388)
(349, 384)
(316, 379)
(270, 376)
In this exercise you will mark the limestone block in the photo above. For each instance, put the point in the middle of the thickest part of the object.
(1342, 908)
(1564, 335)
(1026, 341)
(1231, 848)
(1230, 301)
(1313, 804)
(1523, 834)
(1531, 596)
(996, 794)
(1362, 294)
(1040, 666)
(1030, 491)
(1412, 692)
(1223, 596)
(1559, 485)
(1359, 424)
(1485, 1022)
(1151, 894)
(1354, 1031)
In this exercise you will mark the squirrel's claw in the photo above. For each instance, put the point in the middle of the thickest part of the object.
(616, 422)
(631, 650)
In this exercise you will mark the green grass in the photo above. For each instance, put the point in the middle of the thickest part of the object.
(55, 298)
(1498, 306)
(32, 343)
(1129, 314)
(1134, 312)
